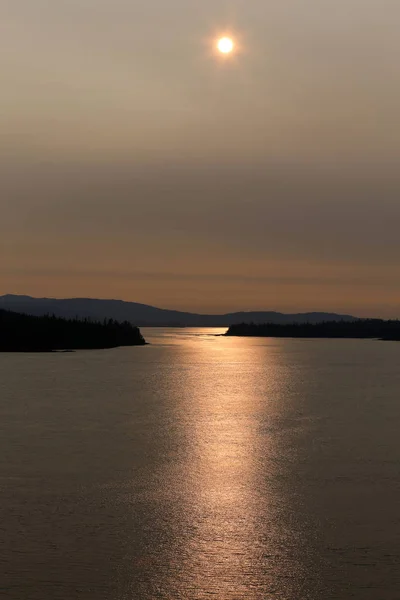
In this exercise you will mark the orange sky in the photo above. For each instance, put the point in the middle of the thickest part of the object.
(135, 165)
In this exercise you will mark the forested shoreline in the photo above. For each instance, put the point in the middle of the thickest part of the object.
(358, 329)
(26, 333)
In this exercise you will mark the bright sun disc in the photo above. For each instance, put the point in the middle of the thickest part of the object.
(225, 45)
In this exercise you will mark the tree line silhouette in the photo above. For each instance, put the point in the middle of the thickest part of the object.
(26, 333)
(360, 328)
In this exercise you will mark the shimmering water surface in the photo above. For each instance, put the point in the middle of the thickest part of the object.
(202, 467)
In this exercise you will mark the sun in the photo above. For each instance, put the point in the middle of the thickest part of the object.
(225, 45)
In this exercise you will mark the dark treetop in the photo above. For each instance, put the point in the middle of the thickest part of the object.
(23, 333)
(362, 328)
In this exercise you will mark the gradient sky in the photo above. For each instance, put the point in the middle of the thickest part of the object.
(135, 164)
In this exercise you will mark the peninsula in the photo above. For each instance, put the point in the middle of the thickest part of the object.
(25, 333)
(358, 329)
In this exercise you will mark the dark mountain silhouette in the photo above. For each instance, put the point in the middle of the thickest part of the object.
(143, 315)
(27, 333)
(361, 329)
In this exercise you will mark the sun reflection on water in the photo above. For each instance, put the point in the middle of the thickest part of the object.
(225, 392)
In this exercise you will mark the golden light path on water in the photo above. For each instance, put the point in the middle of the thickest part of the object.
(224, 552)
(228, 550)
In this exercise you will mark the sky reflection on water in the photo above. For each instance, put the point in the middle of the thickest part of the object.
(202, 467)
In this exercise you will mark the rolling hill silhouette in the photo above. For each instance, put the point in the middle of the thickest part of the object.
(143, 315)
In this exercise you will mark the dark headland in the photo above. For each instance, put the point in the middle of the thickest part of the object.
(26, 333)
(358, 329)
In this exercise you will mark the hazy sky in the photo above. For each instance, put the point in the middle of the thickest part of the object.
(135, 164)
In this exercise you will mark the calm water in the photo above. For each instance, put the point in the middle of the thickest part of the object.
(202, 467)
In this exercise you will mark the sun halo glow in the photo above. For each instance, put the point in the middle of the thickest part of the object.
(225, 45)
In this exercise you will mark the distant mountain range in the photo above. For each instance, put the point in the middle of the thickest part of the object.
(143, 315)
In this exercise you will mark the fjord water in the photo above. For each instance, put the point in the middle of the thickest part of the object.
(202, 467)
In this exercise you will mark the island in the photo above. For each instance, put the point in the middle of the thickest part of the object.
(357, 329)
(26, 333)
